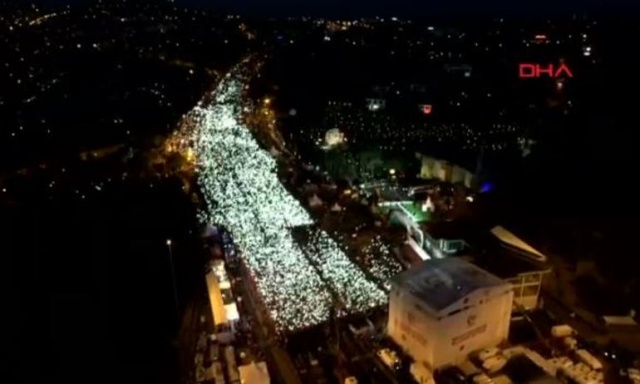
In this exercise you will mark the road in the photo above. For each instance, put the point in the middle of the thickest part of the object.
(363, 362)
(188, 339)
(278, 356)
(563, 315)
(592, 334)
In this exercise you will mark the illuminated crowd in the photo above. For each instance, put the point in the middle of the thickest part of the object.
(380, 262)
(298, 284)
(325, 254)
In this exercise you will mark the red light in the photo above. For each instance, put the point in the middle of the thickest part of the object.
(427, 109)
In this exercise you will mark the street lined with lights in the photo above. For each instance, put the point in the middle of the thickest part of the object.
(299, 283)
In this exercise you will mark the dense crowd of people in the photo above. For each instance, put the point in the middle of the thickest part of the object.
(299, 283)
(377, 257)
(325, 254)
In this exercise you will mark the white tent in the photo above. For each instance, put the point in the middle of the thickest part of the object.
(231, 311)
(315, 201)
(428, 206)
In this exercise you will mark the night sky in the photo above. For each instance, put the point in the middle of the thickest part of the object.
(421, 8)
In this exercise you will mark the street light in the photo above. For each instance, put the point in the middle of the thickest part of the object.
(173, 275)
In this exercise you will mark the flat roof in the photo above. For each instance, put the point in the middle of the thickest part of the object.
(508, 238)
(503, 262)
(489, 250)
(215, 300)
(439, 283)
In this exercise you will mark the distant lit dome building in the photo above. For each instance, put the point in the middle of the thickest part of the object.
(333, 138)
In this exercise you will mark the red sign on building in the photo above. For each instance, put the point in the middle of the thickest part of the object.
(534, 71)
(469, 335)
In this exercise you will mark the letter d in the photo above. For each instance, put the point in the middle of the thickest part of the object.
(527, 71)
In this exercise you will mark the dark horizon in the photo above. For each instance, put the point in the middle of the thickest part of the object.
(463, 9)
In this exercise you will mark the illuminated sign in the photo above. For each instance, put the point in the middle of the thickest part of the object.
(469, 335)
(534, 71)
(426, 108)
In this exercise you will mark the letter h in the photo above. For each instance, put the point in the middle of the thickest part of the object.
(548, 71)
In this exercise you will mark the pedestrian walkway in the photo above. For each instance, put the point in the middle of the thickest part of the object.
(286, 369)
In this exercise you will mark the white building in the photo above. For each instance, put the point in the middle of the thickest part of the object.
(443, 170)
(443, 309)
(254, 373)
(224, 310)
(526, 265)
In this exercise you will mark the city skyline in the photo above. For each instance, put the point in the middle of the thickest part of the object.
(401, 8)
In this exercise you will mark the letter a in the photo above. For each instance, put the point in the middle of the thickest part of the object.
(527, 71)
(565, 69)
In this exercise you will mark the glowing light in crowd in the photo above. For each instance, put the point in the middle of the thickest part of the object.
(298, 283)
(380, 262)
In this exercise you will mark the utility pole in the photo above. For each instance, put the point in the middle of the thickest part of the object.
(173, 276)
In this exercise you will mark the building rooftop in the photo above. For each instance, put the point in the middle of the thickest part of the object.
(448, 230)
(391, 193)
(502, 262)
(510, 240)
(502, 253)
(439, 283)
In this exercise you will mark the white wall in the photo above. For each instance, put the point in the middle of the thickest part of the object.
(409, 328)
(527, 290)
(437, 343)
(483, 325)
